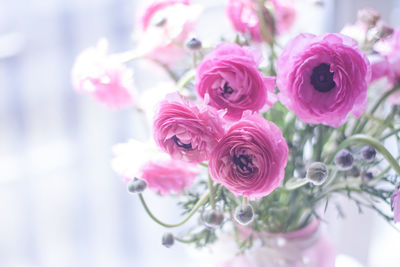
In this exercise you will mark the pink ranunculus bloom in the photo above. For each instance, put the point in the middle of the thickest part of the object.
(186, 131)
(165, 177)
(389, 49)
(228, 78)
(166, 25)
(396, 205)
(250, 159)
(323, 78)
(162, 174)
(103, 76)
(243, 16)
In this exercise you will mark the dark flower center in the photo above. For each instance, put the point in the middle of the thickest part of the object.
(180, 143)
(322, 78)
(244, 164)
(227, 90)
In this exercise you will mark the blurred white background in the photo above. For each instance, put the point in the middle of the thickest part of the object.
(60, 202)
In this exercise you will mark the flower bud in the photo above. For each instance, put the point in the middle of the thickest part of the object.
(137, 185)
(168, 240)
(369, 16)
(344, 160)
(368, 176)
(383, 30)
(317, 173)
(355, 171)
(244, 214)
(193, 44)
(213, 218)
(368, 153)
(159, 22)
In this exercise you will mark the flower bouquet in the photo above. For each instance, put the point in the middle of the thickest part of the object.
(256, 136)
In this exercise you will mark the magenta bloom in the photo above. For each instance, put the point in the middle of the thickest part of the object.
(250, 159)
(101, 75)
(187, 131)
(396, 205)
(166, 25)
(165, 177)
(323, 78)
(243, 16)
(228, 78)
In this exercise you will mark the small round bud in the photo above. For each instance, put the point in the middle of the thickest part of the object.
(317, 173)
(136, 185)
(368, 153)
(368, 176)
(168, 240)
(369, 16)
(244, 214)
(159, 22)
(213, 218)
(344, 160)
(193, 44)
(355, 171)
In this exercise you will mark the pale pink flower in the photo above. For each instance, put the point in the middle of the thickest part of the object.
(396, 205)
(250, 159)
(103, 76)
(228, 78)
(323, 78)
(243, 16)
(166, 25)
(163, 175)
(187, 131)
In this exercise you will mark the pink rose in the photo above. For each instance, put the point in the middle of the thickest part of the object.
(166, 25)
(103, 76)
(243, 16)
(168, 176)
(228, 78)
(323, 78)
(186, 131)
(396, 205)
(250, 159)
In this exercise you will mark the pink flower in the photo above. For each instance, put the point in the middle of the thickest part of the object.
(186, 131)
(396, 205)
(243, 16)
(168, 176)
(162, 174)
(228, 78)
(166, 25)
(323, 78)
(250, 159)
(101, 75)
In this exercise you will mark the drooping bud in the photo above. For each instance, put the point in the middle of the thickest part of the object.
(193, 44)
(369, 16)
(344, 159)
(317, 173)
(168, 240)
(244, 214)
(136, 185)
(368, 153)
(213, 218)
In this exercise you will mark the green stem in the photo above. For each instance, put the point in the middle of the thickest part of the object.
(185, 79)
(389, 134)
(200, 203)
(370, 141)
(167, 69)
(357, 129)
(212, 192)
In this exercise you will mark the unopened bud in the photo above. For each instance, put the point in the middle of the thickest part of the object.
(368, 153)
(168, 240)
(317, 173)
(344, 160)
(136, 185)
(369, 16)
(159, 22)
(383, 30)
(213, 218)
(244, 214)
(193, 44)
(368, 176)
(355, 171)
